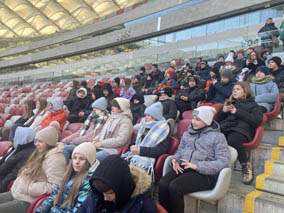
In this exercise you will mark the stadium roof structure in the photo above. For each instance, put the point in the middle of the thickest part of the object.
(36, 18)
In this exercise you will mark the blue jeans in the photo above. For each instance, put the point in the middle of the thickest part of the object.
(101, 155)
(67, 152)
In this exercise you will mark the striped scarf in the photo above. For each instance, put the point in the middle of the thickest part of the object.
(99, 117)
(158, 132)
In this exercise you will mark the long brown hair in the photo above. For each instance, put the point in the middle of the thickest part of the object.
(33, 167)
(30, 106)
(247, 90)
(127, 82)
(42, 106)
(76, 185)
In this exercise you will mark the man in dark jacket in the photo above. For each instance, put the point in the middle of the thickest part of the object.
(218, 92)
(216, 67)
(267, 32)
(277, 72)
(204, 71)
(169, 105)
(156, 74)
(188, 98)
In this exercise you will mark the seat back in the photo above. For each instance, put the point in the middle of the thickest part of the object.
(4, 147)
(37, 203)
(171, 123)
(74, 127)
(220, 189)
(276, 110)
(187, 114)
(174, 143)
(233, 155)
(256, 140)
(160, 209)
(182, 127)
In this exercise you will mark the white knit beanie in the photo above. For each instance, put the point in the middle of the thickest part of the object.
(88, 150)
(205, 113)
(123, 103)
(49, 134)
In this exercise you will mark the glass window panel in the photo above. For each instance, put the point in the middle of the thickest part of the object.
(232, 23)
(198, 31)
(214, 27)
(254, 18)
(183, 35)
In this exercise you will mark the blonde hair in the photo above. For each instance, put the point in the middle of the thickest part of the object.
(76, 185)
(247, 90)
(33, 167)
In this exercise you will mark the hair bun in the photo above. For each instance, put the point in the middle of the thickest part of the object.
(54, 124)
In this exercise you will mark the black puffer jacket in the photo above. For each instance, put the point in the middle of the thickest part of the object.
(9, 168)
(137, 109)
(194, 95)
(246, 120)
(110, 96)
(169, 109)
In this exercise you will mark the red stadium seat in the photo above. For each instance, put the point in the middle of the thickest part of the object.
(72, 128)
(182, 127)
(257, 137)
(187, 114)
(161, 160)
(10, 186)
(37, 202)
(276, 110)
(160, 209)
(4, 147)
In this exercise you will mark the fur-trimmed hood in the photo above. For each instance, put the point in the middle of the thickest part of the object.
(141, 179)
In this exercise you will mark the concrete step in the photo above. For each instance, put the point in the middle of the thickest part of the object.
(274, 167)
(277, 124)
(259, 156)
(271, 136)
(240, 198)
(277, 153)
(270, 183)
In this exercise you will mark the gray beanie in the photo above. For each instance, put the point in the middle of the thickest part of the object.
(101, 103)
(49, 134)
(57, 104)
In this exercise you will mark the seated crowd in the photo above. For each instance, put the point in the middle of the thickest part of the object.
(108, 164)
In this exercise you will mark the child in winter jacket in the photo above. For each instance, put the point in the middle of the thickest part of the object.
(117, 131)
(152, 139)
(40, 175)
(117, 187)
(202, 154)
(75, 187)
(56, 114)
(265, 91)
(238, 119)
(10, 164)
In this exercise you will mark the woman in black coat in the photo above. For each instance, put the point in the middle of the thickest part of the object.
(137, 107)
(188, 98)
(239, 119)
(10, 164)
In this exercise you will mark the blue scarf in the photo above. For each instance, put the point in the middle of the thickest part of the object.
(158, 132)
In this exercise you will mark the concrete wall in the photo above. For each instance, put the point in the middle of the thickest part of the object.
(208, 11)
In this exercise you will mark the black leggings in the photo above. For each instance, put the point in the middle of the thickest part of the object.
(236, 140)
(173, 187)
